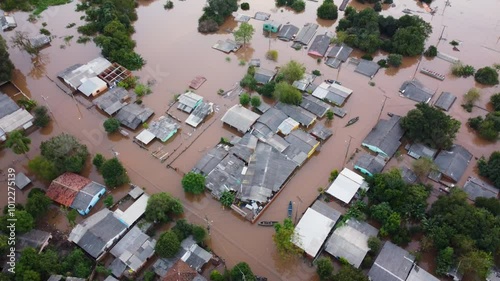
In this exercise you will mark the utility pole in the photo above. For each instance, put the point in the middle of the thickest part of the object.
(446, 4)
(209, 223)
(441, 36)
(77, 107)
(418, 65)
(297, 210)
(347, 150)
(383, 104)
(50, 109)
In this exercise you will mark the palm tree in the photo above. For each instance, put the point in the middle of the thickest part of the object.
(18, 142)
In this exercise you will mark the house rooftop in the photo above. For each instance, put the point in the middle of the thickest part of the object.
(306, 33)
(445, 101)
(346, 185)
(227, 46)
(85, 196)
(22, 181)
(272, 118)
(408, 175)
(241, 17)
(112, 101)
(199, 114)
(302, 145)
(134, 211)
(114, 74)
(321, 132)
(163, 128)
(75, 75)
(180, 271)
(240, 118)
(287, 126)
(189, 101)
(262, 16)
(475, 188)
(340, 52)
(416, 91)
(350, 241)
(39, 41)
(303, 83)
(288, 32)
(91, 85)
(304, 117)
(385, 136)
(21, 118)
(392, 264)
(370, 164)
(211, 159)
(265, 134)
(314, 105)
(226, 176)
(419, 274)
(244, 147)
(35, 238)
(333, 93)
(453, 163)
(367, 68)
(132, 115)
(264, 76)
(66, 187)
(7, 105)
(417, 150)
(136, 192)
(319, 46)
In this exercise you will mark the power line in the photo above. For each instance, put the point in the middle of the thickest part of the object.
(347, 150)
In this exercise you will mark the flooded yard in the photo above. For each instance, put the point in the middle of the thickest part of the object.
(176, 53)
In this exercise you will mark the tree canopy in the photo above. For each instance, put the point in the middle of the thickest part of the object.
(161, 206)
(242, 272)
(114, 173)
(18, 142)
(287, 93)
(490, 168)
(111, 125)
(487, 76)
(43, 168)
(193, 183)
(324, 268)
(327, 10)
(215, 13)
(244, 33)
(487, 128)
(42, 117)
(349, 273)
(38, 203)
(283, 237)
(430, 126)
(65, 152)
(168, 245)
(24, 221)
(6, 66)
(292, 71)
(495, 101)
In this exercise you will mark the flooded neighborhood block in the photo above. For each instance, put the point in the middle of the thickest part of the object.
(288, 32)
(302, 146)
(76, 74)
(416, 91)
(272, 118)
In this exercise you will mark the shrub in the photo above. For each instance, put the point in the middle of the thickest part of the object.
(431, 51)
(298, 6)
(272, 55)
(169, 5)
(255, 101)
(316, 72)
(42, 118)
(470, 98)
(329, 115)
(128, 83)
(45, 31)
(244, 99)
(382, 63)
(367, 57)
(377, 7)
(111, 125)
(245, 6)
(193, 183)
(395, 60)
(216, 276)
(142, 90)
(168, 245)
(98, 160)
(460, 70)
(227, 198)
(208, 26)
(114, 173)
(108, 201)
(248, 82)
(267, 90)
(486, 76)
(324, 268)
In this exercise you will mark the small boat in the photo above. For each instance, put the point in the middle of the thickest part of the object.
(352, 121)
(267, 223)
(290, 209)
(390, 114)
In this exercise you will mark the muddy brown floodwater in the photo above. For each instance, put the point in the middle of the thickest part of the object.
(176, 53)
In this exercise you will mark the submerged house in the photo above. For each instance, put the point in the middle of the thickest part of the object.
(304, 117)
(302, 146)
(321, 132)
(263, 76)
(189, 101)
(306, 33)
(346, 185)
(39, 41)
(288, 32)
(226, 176)
(74, 191)
(75, 75)
(333, 93)
(385, 137)
(163, 129)
(314, 105)
(227, 46)
(305, 82)
(132, 115)
(271, 26)
(416, 91)
(319, 46)
(337, 55)
(199, 114)
(369, 164)
(7, 22)
(475, 188)
(452, 164)
(272, 118)
(367, 68)
(112, 101)
(418, 150)
(445, 101)
(392, 264)
(92, 86)
(12, 117)
(240, 118)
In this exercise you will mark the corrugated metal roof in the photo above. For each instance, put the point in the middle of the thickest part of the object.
(445, 101)
(345, 186)
(240, 118)
(188, 101)
(199, 114)
(132, 115)
(392, 264)
(319, 46)
(304, 117)
(367, 68)
(340, 52)
(419, 274)
(92, 85)
(287, 32)
(372, 164)
(415, 90)
(7, 105)
(453, 163)
(475, 188)
(272, 118)
(386, 135)
(314, 105)
(134, 249)
(306, 33)
(312, 231)
(134, 212)
(112, 101)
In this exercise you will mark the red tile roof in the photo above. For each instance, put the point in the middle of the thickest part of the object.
(180, 271)
(64, 189)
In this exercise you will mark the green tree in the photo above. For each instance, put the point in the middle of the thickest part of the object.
(111, 125)
(199, 233)
(267, 90)
(4, 244)
(377, 7)
(168, 245)
(71, 215)
(242, 272)
(98, 161)
(430, 126)
(114, 173)
(490, 204)
(349, 273)
(298, 6)
(490, 168)
(43, 168)
(244, 99)
(216, 276)
(333, 175)
(6, 66)
(486, 76)
(65, 152)
(395, 60)
(108, 201)
(374, 244)
(182, 229)
(329, 115)
(324, 268)
(244, 33)
(193, 183)
(431, 51)
(284, 238)
(478, 263)
(408, 41)
(38, 203)
(18, 142)
(423, 166)
(287, 93)
(471, 97)
(495, 101)
(255, 101)
(327, 11)
(42, 117)
(161, 206)
(76, 264)
(293, 71)
(444, 261)
(24, 221)
(227, 198)
(31, 275)
(272, 55)
(381, 212)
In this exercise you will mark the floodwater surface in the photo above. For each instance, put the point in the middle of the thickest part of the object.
(176, 53)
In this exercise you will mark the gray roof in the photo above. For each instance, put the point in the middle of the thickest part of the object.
(367, 68)
(321, 132)
(260, 176)
(445, 101)
(304, 117)
(188, 101)
(320, 45)
(240, 118)
(494, 275)
(301, 144)
(76, 74)
(340, 52)
(86, 194)
(475, 188)
(272, 118)
(199, 114)
(117, 267)
(263, 76)
(195, 256)
(262, 16)
(134, 249)
(416, 91)
(350, 241)
(39, 40)
(55, 278)
(163, 128)
(7, 105)
(314, 105)
(418, 150)
(333, 62)
(408, 175)
(287, 32)
(333, 93)
(244, 147)
(110, 278)
(419, 274)
(210, 160)
(265, 134)
(226, 176)
(7, 22)
(227, 46)
(306, 33)
(325, 210)
(22, 180)
(136, 192)
(112, 101)
(35, 238)
(133, 115)
(392, 264)
(263, 107)
(242, 18)
(453, 163)
(386, 135)
(339, 111)
(303, 83)
(373, 164)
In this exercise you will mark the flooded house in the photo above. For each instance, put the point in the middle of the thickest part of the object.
(367, 68)
(392, 264)
(332, 93)
(350, 241)
(419, 274)
(240, 118)
(271, 26)
(288, 32)
(337, 111)
(199, 114)
(445, 101)
(74, 191)
(39, 41)
(35, 238)
(314, 105)
(189, 101)
(346, 185)
(272, 118)
(163, 129)
(338, 54)
(418, 150)
(262, 16)
(303, 83)
(304, 117)
(226, 176)
(314, 227)
(321, 132)
(211, 159)
(135, 211)
(7, 22)
(227, 46)
(475, 188)
(265, 134)
(97, 233)
(112, 101)
(241, 17)
(22, 181)
(92, 86)
(132, 115)
(319, 46)
(12, 116)
(306, 34)
(182, 271)
(451, 164)
(131, 253)
(302, 146)
(385, 137)
(416, 91)
(114, 74)
(263, 76)
(287, 126)
(369, 164)
(75, 75)
(408, 175)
